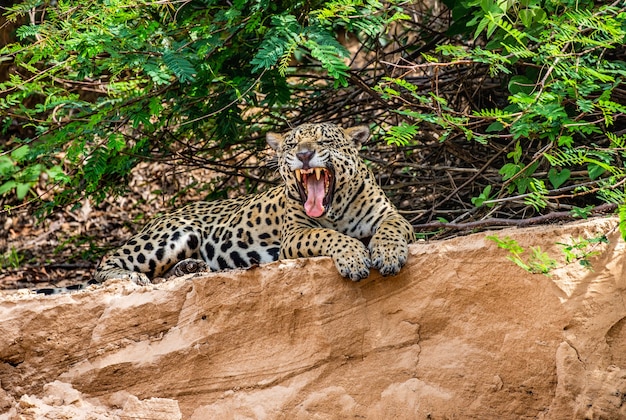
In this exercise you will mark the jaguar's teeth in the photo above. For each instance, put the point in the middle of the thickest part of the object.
(318, 173)
(298, 175)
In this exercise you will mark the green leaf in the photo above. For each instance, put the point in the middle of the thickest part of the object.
(522, 184)
(581, 212)
(509, 170)
(20, 153)
(484, 196)
(30, 173)
(557, 178)
(21, 189)
(159, 75)
(621, 211)
(521, 84)
(516, 153)
(507, 243)
(7, 166)
(7, 186)
(566, 141)
(57, 174)
(495, 127)
(526, 16)
(116, 142)
(155, 106)
(481, 26)
(595, 170)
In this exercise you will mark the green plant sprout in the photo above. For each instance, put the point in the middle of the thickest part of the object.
(537, 261)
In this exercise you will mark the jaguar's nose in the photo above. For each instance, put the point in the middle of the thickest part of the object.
(305, 157)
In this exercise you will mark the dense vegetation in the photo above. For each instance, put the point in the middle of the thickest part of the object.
(483, 112)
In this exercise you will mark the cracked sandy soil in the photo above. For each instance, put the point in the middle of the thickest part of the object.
(461, 332)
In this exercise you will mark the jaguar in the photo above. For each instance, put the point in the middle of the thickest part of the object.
(329, 204)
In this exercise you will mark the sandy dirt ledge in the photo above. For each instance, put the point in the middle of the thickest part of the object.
(460, 333)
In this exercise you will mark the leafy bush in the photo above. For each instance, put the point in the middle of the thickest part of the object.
(558, 132)
(99, 86)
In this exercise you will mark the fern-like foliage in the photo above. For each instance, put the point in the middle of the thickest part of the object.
(280, 43)
(153, 71)
(567, 157)
(622, 219)
(288, 36)
(401, 135)
(317, 40)
(180, 66)
(563, 80)
(617, 142)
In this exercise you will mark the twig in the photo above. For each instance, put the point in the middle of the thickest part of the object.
(493, 222)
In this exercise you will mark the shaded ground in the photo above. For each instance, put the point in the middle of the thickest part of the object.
(61, 250)
(65, 248)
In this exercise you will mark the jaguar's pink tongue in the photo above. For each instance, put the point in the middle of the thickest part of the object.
(314, 206)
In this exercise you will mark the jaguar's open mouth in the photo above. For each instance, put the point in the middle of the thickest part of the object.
(316, 187)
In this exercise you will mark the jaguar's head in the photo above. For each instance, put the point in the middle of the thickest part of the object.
(317, 160)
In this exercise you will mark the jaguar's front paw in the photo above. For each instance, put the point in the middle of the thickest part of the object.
(117, 273)
(353, 261)
(388, 256)
(138, 278)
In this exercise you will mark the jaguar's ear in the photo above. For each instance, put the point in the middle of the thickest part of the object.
(275, 140)
(359, 134)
